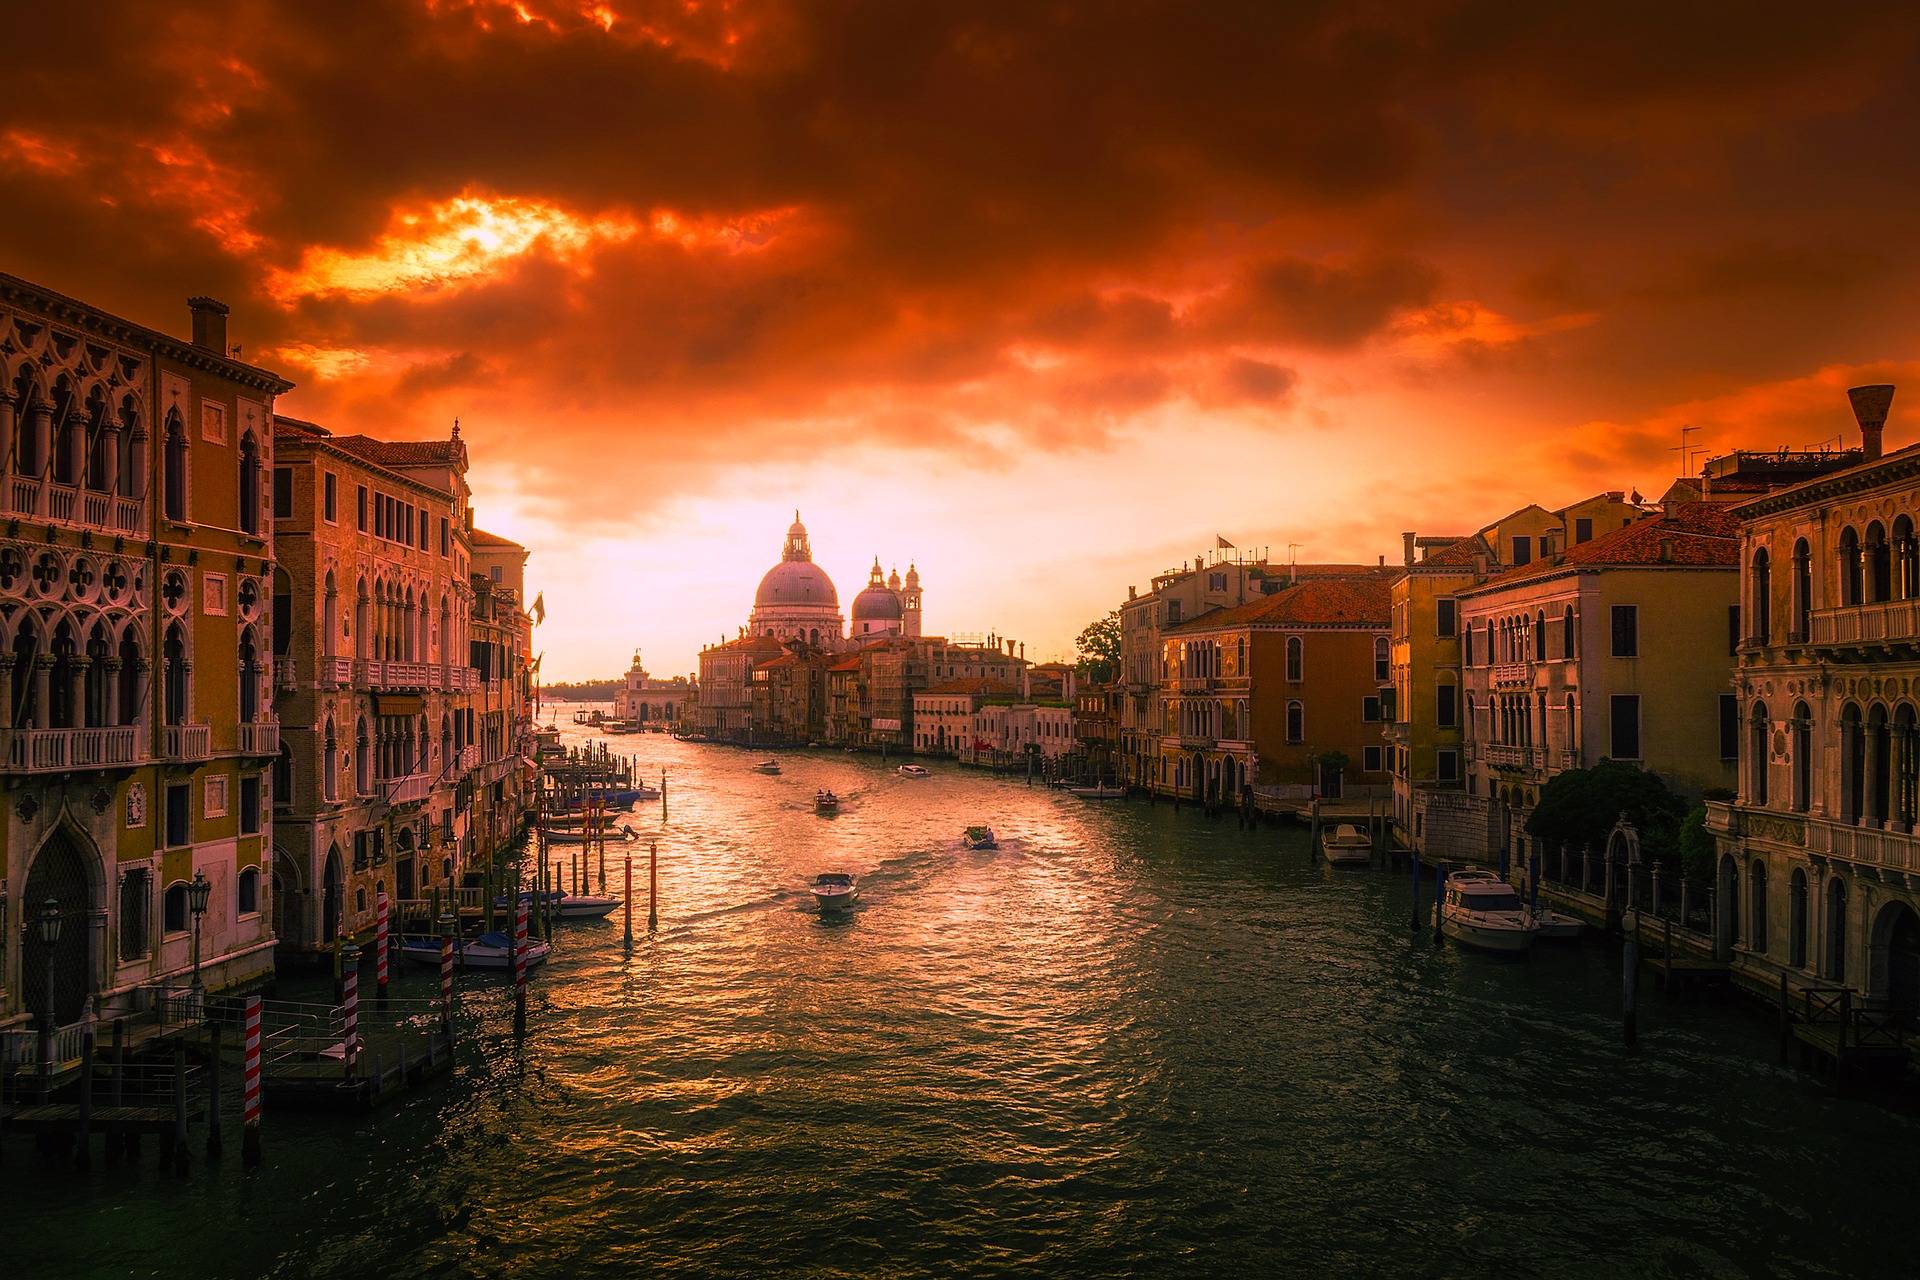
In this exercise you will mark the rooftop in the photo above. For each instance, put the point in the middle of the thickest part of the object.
(1317, 602)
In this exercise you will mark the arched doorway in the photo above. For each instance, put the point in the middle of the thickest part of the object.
(333, 890)
(1197, 775)
(289, 900)
(1896, 959)
(1836, 931)
(65, 872)
(1727, 909)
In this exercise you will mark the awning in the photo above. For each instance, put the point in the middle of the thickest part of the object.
(399, 704)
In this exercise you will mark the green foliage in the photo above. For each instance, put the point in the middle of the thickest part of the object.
(583, 690)
(1697, 854)
(1099, 649)
(1579, 807)
(1335, 760)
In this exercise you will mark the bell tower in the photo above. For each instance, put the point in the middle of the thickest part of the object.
(910, 603)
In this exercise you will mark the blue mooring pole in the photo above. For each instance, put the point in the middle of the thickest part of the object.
(1416, 891)
(1439, 881)
(1533, 883)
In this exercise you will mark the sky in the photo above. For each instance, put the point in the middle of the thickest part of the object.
(1042, 297)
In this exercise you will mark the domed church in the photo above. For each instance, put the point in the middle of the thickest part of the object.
(796, 601)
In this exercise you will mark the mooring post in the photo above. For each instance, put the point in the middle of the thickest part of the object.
(626, 901)
(380, 947)
(83, 1127)
(1439, 884)
(1630, 978)
(1786, 1019)
(519, 966)
(250, 1087)
(663, 796)
(1416, 891)
(446, 972)
(350, 1009)
(119, 1060)
(180, 1160)
(213, 1091)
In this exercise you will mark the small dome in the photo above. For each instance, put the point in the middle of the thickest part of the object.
(913, 577)
(796, 582)
(876, 604)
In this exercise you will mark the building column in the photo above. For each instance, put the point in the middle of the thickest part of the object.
(42, 691)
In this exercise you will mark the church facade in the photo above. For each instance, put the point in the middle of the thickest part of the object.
(797, 603)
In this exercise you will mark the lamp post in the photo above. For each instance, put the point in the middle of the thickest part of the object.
(50, 935)
(198, 891)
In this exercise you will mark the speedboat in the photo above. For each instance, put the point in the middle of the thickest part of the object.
(767, 766)
(979, 838)
(911, 771)
(1100, 792)
(1347, 846)
(826, 802)
(1479, 909)
(1556, 927)
(834, 890)
(488, 951)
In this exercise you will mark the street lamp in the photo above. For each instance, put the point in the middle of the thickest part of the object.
(198, 891)
(50, 923)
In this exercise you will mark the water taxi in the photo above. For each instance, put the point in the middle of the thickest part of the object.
(911, 771)
(833, 890)
(1479, 909)
(979, 838)
(767, 766)
(826, 802)
(1346, 846)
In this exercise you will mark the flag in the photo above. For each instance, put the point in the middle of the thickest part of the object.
(1221, 544)
(535, 668)
(539, 609)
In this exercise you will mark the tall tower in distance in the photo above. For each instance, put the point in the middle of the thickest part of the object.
(910, 603)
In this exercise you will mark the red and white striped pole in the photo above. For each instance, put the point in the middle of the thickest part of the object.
(350, 1013)
(446, 968)
(519, 965)
(250, 1087)
(380, 946)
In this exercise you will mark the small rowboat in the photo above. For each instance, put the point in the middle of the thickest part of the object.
(1346, 846)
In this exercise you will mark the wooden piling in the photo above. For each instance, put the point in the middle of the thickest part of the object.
(213, 1090)
(1786, 1020)
(1630, 982)
(626, 902)
(179, 1143)
(83, 1127)
(653, 885)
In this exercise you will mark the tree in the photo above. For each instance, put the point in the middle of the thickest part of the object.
(1099, 649)
(1580, 806)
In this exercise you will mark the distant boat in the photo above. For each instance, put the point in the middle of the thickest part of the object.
(833, 890)
(488, 951)
(1098, 792)
(767, 766)
(826, 802)
(1346, 846)
(979, 838)
(911, 771)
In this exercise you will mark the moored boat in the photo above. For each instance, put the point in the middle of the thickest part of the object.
(1346, 846)
(1479, 909)
(1098, 792)
(488, 951)
(578, 835)
(834, 890)
(1557, 927)
(569, 906)
(980, 837)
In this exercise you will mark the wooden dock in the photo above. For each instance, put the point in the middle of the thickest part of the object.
(1832, 1034)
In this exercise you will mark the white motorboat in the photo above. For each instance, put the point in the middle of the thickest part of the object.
(1346, 846)
(834, 890)
(578, 835)
(568, 906)
(1556, 927)
(767, 766)
(488, 951)
(911, 771)
(980, 837)
(1479, 909)
(1097, 792)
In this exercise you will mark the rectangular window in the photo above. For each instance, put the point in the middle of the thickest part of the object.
(1729, 727)
(1216, 582)
(426, 527)
(1370, 759)
(446, 545)
(1447, 766)
(1733, 630)
(250, 804)
(1466, 647)
(1626, 632)
(496, 573)
(136, 913)
(363, 508)
(1173, 613)
(283, 493)
(214, 796)
(1370, 709)
(1446, 705)
(179, 814)
(1447, 623)
(1583, 530)
(1625, 743)
(1522, 551)
(406, 528)
(330, 500)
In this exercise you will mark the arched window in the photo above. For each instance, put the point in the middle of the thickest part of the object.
(1573, 727)
(248, 895)
(175, 495)
(1836, 966)
(1853, 763)
(1760, 598)
(330, 763)
(174, 908)
(1802, 591)
(1802, 757)
(1296, 721)
(249, 484)
(1879, 764)
(1879, 564)
(1540, 636)
(1759, 728)
(1566, 633)
(1850, 567)
(1382, 661)
(362, 759)
(1757, 906)
(1296, 659)
(1906, 768)
(1797, 919)
(1906, 560)
(178, 692)
(249, 678)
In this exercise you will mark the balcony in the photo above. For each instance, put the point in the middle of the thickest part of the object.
(1885, 625)
(1189, 684)
(283, 675)
(335, 672)
(370, 674)
(55, 750)
(64, 504)
(1195, 742)
(1513, 673)
(469, 758)
(259, 739)
(1893, 850)
(189, 741)
(411, 789)
(1503, 756)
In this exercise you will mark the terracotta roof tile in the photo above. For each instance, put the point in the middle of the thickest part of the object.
(982, 687)
(1317, 602)
(1691, 535)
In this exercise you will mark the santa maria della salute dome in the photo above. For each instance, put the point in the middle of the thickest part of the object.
(797, 601)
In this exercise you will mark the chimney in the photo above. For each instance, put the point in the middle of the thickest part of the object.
(210, 325)
(1406, 546)
(1870, 411)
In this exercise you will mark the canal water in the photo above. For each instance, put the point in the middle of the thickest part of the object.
(1130, 1042)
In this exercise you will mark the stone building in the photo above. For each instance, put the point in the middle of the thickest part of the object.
(498, 787)
(1819, 860)
(649, 700)
(136, 571)
(374, 602)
